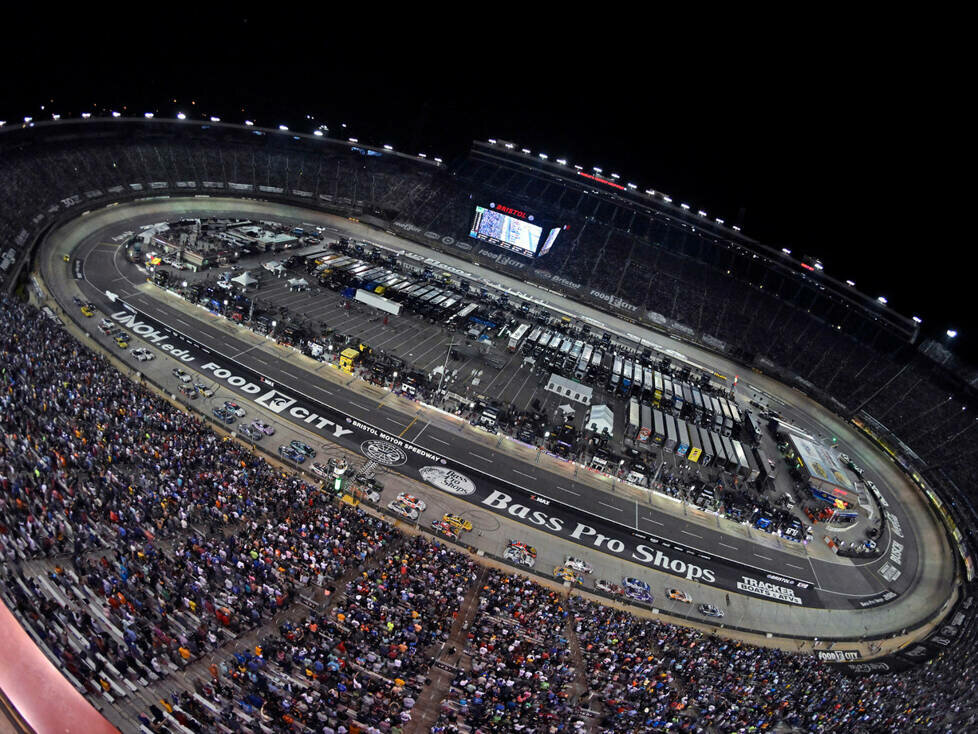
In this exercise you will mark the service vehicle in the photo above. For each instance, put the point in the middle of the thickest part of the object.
(637, 589)
(180, 375)
(410, 499)
(302, 448)
(679, 595)
(457, 521)
(404, 510)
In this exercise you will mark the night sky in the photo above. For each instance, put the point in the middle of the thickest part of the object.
(839, 137)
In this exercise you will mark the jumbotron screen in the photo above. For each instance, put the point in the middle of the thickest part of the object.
(493, 226)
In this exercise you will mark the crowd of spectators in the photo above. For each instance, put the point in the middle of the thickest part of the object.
(647, 675)
(521, 668)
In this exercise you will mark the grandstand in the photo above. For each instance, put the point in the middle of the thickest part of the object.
(643, 259)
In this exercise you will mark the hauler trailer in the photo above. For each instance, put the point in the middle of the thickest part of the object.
(672, 435)
(717, 414)
(658, 389)
(645, 431)
(658, 426)
(594, 371)
(648, 383)
(516, 336)
(460, 316)
(719, 452)
(583, 363)
(574, 356)
(531, 340)
(688, 405)
(616, 372)
(634, 419)
(682, 446)
(766, 467)
(677, 397)
(743, 468)
(637, 378)
(626, 377)
(695, 447)
(751, 428)
(666, 401)
(753, 469)
(733, 462)
(735, 412)
(707, 458)
(697, 404)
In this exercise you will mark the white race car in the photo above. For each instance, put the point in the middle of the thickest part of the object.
(412, 501)
(578, 565)
(517, 555)
(404, 510)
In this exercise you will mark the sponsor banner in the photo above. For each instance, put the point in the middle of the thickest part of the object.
(769, 590)
(614, 301)
(887, 664)
(479, 487)
(838, 656)
(874, 601)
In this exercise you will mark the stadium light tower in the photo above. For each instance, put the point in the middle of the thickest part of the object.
(317, 133)
(917, 319)
(215, 118)
(181, 116)
(951, 333)
(116, 114)
(685, 206)
(785, 250)
(388, 147)
(86, 115)
(882, 299)
(283, 128)
(148, 115)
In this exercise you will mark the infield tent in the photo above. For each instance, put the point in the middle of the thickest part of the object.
(246, 280)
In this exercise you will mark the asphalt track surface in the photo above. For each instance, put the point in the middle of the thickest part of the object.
(493, 479)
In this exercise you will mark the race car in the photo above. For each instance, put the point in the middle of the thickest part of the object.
(188, 392)
(180, 375)
(456, 521)
(524, 547)
(412, 501)
(637, 589)
(142, 354)
(287, 452)
(566, 573)
(709, 610)
(844, 458)
(578, 565)
(88, 310)
(203, 389)
(679, 595)
(234, 408)
(105, 326)
(263, 427)
(302, 448)
(609, 587)
(404, 510)
(517, 555)
(320, 470)
(221, 414)
(250, 433)
(445, 528)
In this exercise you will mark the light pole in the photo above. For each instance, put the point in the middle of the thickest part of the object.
(444, 367)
